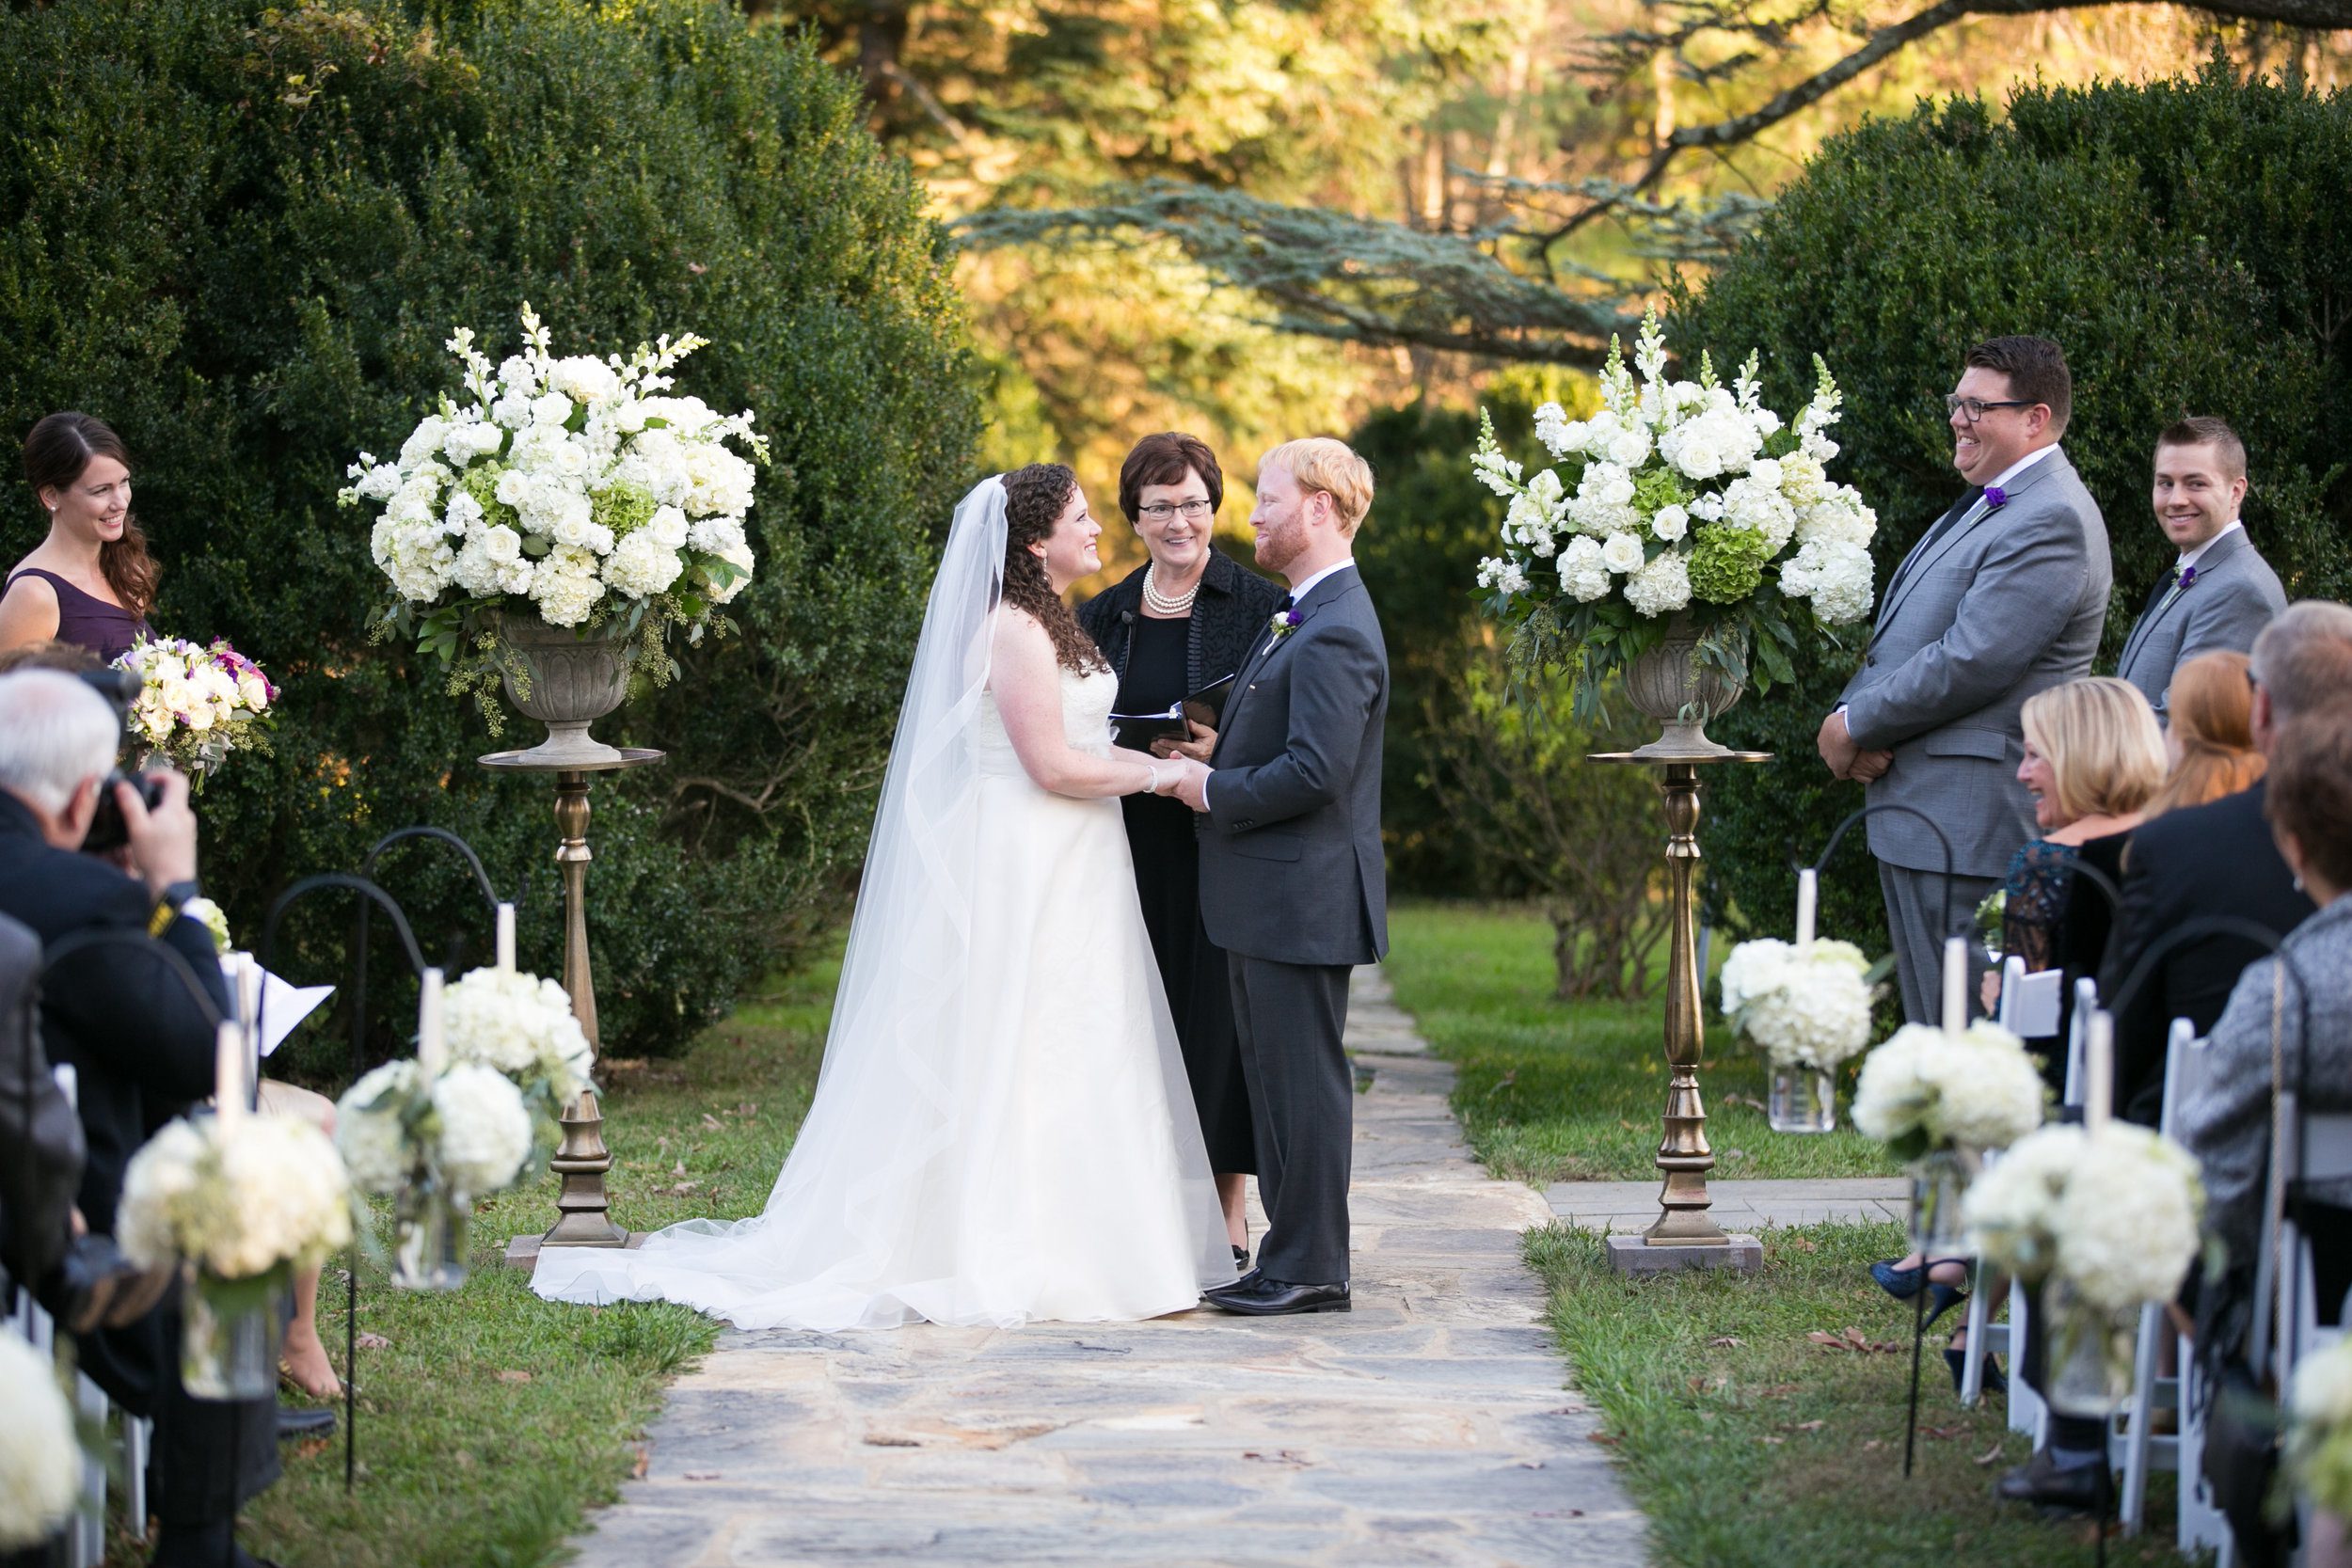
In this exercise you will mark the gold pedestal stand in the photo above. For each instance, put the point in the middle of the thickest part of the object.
(1684, 1235)
(584, 1216)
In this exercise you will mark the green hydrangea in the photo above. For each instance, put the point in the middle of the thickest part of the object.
(622, 507)
(480, 481)
(1728, 563)
(1660, 486)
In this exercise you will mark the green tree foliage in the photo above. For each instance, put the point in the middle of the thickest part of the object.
(242, 235)
(2186, 243)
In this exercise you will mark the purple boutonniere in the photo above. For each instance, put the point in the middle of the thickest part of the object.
(1994, 497)
(1284, 622)
(2188, 574)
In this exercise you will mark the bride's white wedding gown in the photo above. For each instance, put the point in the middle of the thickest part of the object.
(1017, 1140)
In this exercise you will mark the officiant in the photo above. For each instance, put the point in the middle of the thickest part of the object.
(1173, 626)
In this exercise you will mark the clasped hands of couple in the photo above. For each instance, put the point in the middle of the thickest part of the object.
(1846, 760)
(1190, 781)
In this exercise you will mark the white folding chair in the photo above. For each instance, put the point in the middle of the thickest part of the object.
(2029, 1010)
(2318, 1148)
(2137, 1448)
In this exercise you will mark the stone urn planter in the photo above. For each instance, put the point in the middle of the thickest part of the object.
(575, 678)
(1669, 684)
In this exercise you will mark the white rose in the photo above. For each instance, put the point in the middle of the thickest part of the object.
(1622, 553)
(551, 410)
(501, 544)
(1671, 523)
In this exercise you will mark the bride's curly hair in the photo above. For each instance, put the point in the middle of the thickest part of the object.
(1033, 499)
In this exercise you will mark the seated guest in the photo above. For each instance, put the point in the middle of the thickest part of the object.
(2301, 999)
(2217, 859)
(2094, 757)
(141, 1043)
(90, 581)
(2210, 741)
(2218, 591)
(37, 1126)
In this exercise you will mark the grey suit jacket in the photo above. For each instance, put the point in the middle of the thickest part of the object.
(1999, 609)
(1291, 862)
(2226, 1123)
(2233, 596)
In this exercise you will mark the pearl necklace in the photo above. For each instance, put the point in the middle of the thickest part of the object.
(1162, 602)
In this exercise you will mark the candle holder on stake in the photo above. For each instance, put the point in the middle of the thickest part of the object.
(584, 1212)
(1684, 1235)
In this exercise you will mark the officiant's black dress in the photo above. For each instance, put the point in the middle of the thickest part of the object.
(1158, 663)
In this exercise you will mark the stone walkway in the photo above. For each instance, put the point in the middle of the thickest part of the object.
(1751, 1207)
(1429, 1426)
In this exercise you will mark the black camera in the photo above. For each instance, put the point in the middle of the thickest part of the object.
(108, 831)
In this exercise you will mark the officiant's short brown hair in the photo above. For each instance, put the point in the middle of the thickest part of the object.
(1164, 459)
(1321, 463)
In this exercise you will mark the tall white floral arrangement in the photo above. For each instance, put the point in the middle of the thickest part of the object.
(1925, 1090)
(246, 1205)
(522, 1026)
(463, 1133)
(1677, 495)
(1804, 1004)
(41, 1457)
(577, 490)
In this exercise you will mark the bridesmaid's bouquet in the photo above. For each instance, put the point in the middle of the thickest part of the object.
(196, 704)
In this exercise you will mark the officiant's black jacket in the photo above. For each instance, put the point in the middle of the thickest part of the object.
(1233, 606)
(2218, 859)
(140, 1044)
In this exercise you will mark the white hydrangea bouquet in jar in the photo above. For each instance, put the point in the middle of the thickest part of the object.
(2106, 1220)
(245, 1201)
(434, 1141)
(1685, 517)
(41, 1451)
(1806, 1006)
(1939, 1098)
(522, 1026)
(575, 495)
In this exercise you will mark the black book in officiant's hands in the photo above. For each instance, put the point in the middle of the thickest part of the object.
(1205, 707)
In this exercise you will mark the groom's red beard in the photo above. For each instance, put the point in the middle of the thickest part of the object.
(1279, 544)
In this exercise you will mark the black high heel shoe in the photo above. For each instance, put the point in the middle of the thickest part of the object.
(1957, 1361)
(1903, 1284)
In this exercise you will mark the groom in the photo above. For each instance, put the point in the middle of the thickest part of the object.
(1293, 885)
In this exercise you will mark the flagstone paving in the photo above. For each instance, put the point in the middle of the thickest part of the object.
(1429, 1426)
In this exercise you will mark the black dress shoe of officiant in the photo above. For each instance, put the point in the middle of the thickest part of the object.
(2077, 1489)
(294, 1423)
(1260, 1297)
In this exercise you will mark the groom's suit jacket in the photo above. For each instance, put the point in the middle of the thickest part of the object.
(2005, 603)
(2233, 596)
(1291, 862)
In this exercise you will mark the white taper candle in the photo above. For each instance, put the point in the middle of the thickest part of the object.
(1956, 984)
(2099, 1070)
(1808, 897)
(228, 1090)
(506, 938)
(248, 989)
(431, 1049)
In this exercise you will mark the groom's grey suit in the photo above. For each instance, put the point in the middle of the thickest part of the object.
(1293, 887)
(1990, 608)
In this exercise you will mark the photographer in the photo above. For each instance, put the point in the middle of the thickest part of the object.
(141, 1039)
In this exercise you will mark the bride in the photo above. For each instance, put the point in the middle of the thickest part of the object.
(1002, 1128)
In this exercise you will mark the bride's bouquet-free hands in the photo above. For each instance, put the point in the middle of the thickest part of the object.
(197, 703)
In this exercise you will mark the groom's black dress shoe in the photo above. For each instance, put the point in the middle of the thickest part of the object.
(1257, 1296)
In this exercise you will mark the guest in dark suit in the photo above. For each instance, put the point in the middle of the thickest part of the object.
(1292, 882)
(142, 1045)
(43, 1139)
(1185, 618)
(2219, 593)
(2218, 859)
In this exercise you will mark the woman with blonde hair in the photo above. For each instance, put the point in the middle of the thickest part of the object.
(2211, 742)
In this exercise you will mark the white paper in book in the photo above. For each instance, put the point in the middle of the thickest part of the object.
(284, 1004)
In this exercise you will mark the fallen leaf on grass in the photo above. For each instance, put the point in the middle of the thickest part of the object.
(713, 1122)
(513, 1377)
(1941, 1434)
(1774, 1442)
(1749, 1100)
(1779, 1390)
(1989, 1454)
(1873, 1443)
(373, 1341)
(1725, 1341)
(1800, 1243)
(678, 1170)
(1855, 1340)
(1606, 1440)
(1802, 1426)
(681, 1188)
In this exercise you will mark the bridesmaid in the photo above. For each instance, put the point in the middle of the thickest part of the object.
(91, 582)
(1184, 619)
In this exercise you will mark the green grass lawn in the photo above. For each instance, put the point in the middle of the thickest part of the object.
(1568, 1091)
(490, 1419)
(1747, 1442)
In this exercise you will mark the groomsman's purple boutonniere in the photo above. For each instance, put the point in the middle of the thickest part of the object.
(1284, 622)
(1994, 497)
(2188, 574)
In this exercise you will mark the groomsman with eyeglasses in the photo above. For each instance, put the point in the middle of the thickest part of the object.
(2220, 592)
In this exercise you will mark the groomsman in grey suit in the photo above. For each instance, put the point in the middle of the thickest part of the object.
(1293, 884)
(2003, 597)
(2220, 592)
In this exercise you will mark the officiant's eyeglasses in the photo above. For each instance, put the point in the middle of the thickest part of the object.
(1160, 511)
(1972, 409)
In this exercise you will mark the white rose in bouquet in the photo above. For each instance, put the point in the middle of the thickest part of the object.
(1803, 1007)
(520, 1025)
(267, 1197)
(196, 704)
(40, 1458)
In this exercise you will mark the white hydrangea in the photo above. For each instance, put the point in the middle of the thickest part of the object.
(518, 1025)
(485, 1129)
(640, 567)
(1834, 576)
(1496, 572)
(2114, 1212)
(1749, 502)
(238, 1205)
(368, 1131)
(1622, 553)
(1806, 1007)
(41, 1457)
(1977, 1090)
(1583, 572)
(584, 380)
(1661, 587)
